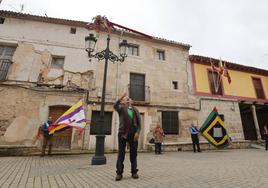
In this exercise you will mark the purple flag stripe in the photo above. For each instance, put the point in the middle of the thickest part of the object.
(82, 120)
(69, 115)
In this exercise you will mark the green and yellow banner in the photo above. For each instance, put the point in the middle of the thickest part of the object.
(214, 131)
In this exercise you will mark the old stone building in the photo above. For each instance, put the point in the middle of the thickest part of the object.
(45, 70)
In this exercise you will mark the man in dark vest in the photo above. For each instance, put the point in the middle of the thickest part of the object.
(129, 129)
(194, 135)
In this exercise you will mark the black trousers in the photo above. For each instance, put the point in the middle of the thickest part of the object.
(195, 142)
(158, 148)
(133, 146)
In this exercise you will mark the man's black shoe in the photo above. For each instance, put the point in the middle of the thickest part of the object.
(135, 176)
(118, 177)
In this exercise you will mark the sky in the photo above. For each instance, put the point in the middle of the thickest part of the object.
(233, 30)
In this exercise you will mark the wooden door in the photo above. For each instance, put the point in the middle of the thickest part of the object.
(62, 140)
(247, 122)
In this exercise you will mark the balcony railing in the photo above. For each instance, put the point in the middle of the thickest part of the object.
(139, 93)
(4, 67)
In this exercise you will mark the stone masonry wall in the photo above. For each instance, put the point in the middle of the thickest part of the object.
(23, 110)
(230, 109)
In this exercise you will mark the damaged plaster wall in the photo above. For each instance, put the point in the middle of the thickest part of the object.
(37, 42)
(34, 65)
(27, 110)
(20, 114)
(25, 102)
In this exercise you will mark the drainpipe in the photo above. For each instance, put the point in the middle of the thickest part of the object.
(256, 123)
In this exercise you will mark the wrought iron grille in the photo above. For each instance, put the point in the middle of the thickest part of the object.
(4, 67)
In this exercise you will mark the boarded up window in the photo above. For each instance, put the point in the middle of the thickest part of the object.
(170, 122)
(95, 126)
(215, 83)
(57, 62)
(258, 88)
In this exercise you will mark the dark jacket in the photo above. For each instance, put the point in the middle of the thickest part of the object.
(125, 124)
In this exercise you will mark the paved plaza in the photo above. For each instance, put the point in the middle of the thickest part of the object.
(221, 168)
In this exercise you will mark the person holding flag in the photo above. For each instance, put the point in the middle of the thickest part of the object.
(47, 138)
(194, 135)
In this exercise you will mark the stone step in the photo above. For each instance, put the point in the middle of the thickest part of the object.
(257, 146)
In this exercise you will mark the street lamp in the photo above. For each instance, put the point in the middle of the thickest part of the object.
(106, 54)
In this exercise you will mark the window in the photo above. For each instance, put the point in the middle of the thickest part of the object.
(95, 124)
(258, 88)
(57, 62)
(161, 55)
(6, 54)
(73, 30)
(2, 20)
(175, 85)
(215, 83)
(137, 87)
(170, 122)
(133, 50)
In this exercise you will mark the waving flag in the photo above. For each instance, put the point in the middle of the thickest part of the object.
(214, 131)
(74, 117)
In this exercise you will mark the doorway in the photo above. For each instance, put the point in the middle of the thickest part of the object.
(247, 122)
(62, 140)
(262, 115)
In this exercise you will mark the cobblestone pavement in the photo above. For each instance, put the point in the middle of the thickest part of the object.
(222, 168)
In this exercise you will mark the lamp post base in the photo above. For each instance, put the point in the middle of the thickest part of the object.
(99, 158)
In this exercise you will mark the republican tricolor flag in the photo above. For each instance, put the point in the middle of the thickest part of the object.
(74, 117)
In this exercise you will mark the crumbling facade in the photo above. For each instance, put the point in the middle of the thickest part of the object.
(45, 70)
(49, 71)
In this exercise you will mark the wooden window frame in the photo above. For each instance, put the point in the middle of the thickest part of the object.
(261, 84)
(73, 30)
(212, 88)
(161, 55)
(131, 48)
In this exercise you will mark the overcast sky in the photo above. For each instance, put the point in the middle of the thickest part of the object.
(234, 30)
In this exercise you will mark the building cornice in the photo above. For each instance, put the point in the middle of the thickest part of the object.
(75, 23)
(231, 66)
